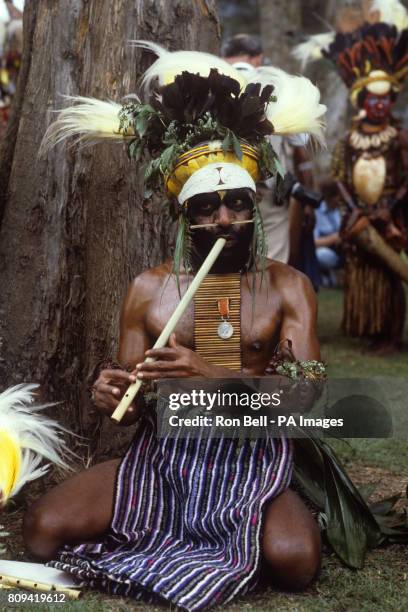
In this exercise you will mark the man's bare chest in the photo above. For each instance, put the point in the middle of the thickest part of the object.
(259, 323)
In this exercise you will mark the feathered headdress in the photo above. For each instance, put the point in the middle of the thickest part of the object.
(370, 51)
(190, 97)
(195, 114)
(26, 439)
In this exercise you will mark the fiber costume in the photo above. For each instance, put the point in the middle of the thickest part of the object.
(188, 513)
(370, 165)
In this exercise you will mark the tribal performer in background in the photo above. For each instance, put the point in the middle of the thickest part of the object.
(370, 166)
(198, 521)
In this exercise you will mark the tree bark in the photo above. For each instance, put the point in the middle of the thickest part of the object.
(75, 229)
(280, 21)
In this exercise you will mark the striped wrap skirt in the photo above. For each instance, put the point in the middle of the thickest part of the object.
(187, 520)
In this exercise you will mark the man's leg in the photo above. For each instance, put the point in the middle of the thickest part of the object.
(291, 543)
(78, 510)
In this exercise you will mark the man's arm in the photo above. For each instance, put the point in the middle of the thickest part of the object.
(299, 324)
(328, 241)
(111, 384)
(134, 340)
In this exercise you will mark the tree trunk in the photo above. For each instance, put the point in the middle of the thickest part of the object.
(75, 229)
(280, 21)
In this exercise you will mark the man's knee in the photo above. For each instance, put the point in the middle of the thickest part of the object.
(42, 531)
(293, 563)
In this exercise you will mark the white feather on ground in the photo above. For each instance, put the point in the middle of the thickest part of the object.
(38, 436)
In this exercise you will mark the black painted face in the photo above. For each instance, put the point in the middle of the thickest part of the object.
(203, 207)
(222, 209)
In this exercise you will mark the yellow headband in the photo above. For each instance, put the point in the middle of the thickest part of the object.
(209, 153)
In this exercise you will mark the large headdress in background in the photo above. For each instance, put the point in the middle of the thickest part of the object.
(199, 122)
(370, 50)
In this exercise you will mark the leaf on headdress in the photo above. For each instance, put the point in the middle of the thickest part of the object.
(231, 143)
(136, 149)
(169, 157)
(279, 168)
(182, 250)
(269, 159)
(142, 119)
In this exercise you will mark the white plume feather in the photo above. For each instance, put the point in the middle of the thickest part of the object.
(391, 11)
(32, 436)
(88, 120)
(312, 48)
(297, 109)
(171, 63)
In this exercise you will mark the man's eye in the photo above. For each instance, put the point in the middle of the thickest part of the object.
(206, 208)
(239, 205)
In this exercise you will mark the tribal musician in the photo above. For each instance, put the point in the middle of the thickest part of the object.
(164, 521)
(370, 165)
(197, 522)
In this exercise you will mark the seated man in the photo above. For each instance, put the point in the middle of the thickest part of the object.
(193, 521)
(104, 502)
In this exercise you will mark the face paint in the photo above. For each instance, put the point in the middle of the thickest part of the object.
(221, 210)
(378, 108)
(204, 206)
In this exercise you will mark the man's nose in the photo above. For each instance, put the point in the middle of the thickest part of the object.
(224, 216)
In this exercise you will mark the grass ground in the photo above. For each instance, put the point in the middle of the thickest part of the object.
(382, 586)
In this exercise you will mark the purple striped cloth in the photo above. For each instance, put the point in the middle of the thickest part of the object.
(187, 520)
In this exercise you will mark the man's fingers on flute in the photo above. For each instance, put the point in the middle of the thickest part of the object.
(106, 408)
(158, 365)
(162, 353)
(105, 400)
(109, 390)
(117, 377)
(162, 374)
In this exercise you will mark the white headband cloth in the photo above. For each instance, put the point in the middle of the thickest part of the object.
(218, 176)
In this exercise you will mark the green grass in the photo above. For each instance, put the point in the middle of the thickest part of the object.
(345, 356)
(346, 359)
(382, 586)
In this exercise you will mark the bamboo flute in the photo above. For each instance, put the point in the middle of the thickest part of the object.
(162, 340)
(23, 583)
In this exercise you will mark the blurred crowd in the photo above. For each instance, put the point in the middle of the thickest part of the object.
(301, 214)
(11, 45)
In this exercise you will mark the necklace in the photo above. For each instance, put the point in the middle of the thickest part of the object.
(358, 140)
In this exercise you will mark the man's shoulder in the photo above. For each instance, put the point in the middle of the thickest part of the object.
(282, 272)
(148, 281)
(292, 285)
(156, 273)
